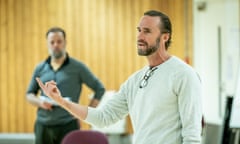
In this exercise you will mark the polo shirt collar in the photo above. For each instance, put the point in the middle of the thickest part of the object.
(66, 61)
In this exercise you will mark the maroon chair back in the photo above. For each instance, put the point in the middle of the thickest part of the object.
(85, 137)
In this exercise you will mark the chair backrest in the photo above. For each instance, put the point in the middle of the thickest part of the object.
(85, 137)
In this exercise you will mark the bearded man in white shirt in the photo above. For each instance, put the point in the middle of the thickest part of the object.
(163, 98)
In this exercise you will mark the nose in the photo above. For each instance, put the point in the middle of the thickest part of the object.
(55, 44)
(140, 35)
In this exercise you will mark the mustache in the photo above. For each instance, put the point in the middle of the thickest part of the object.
(142, 41)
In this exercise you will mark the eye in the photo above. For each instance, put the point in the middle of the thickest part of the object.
(138, 29)
(147, 31)
(144, 30)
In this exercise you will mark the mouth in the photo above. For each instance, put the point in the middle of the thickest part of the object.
(141, 43)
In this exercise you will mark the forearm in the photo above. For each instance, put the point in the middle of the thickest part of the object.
(33, 99)
(75, 109)
(113, 110)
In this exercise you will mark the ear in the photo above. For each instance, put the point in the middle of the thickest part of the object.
(165, 37)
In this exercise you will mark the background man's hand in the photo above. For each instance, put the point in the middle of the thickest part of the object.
(45, 105)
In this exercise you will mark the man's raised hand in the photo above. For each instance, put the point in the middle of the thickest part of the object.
(51, 90)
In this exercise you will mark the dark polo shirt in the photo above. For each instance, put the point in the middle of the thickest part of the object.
(69, 78)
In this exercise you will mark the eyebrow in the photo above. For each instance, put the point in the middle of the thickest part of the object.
(147, 29)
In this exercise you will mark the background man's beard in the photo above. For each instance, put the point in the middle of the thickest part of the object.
(150, 50)
(57, 55)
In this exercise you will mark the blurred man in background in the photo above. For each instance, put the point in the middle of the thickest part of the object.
(53, 122)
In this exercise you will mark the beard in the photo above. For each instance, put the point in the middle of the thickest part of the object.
(150, 49)
(57, 54)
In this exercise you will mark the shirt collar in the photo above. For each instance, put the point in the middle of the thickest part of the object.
(66, 61)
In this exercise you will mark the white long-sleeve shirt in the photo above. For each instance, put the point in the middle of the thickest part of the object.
(166, 111)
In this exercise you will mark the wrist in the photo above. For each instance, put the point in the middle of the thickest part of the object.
(62, 101)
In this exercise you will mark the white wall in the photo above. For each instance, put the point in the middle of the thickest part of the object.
(223, 14)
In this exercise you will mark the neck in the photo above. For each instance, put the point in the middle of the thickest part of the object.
(158, 58)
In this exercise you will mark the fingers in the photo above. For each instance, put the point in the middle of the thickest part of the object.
(50, 88)
(52, 82)
(40, 84)
(46, 84)
(58, 91)
(46, 105)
